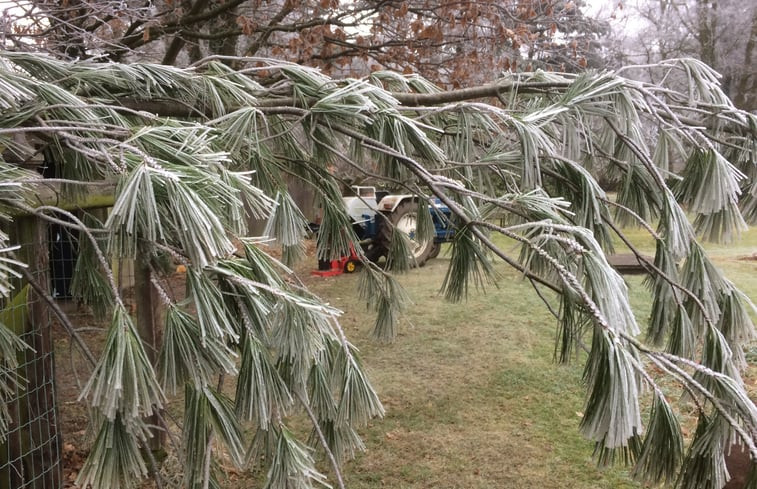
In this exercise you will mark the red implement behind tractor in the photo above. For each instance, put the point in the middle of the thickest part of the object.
(345, 264)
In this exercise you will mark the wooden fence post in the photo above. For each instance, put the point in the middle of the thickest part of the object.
(33, 448)
(148, 315)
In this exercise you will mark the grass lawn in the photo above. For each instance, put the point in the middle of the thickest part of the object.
(472, 395)
(473, 399)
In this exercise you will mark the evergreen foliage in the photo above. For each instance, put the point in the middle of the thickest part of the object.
(527, 155)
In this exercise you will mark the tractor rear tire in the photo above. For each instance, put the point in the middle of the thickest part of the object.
(405, 219)
(435, 249)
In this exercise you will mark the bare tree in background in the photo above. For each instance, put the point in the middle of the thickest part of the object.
(437, 40)
(721, 33)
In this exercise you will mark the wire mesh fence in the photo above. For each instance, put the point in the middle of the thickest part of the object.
(30, 455)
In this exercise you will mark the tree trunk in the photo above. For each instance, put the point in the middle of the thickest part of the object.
(744, 96)
(707, 24)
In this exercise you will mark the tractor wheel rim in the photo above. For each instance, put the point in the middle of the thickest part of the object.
(407, 224)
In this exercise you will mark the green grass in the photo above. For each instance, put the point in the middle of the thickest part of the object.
(473, 397)
(736, 260)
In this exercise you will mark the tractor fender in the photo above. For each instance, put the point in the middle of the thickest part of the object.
(390, 202)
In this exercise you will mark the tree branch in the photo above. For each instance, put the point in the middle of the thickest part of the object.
(178, 43)
(322, 439)
(62, 317)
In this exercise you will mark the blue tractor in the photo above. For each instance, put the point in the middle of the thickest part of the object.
(401, 211)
